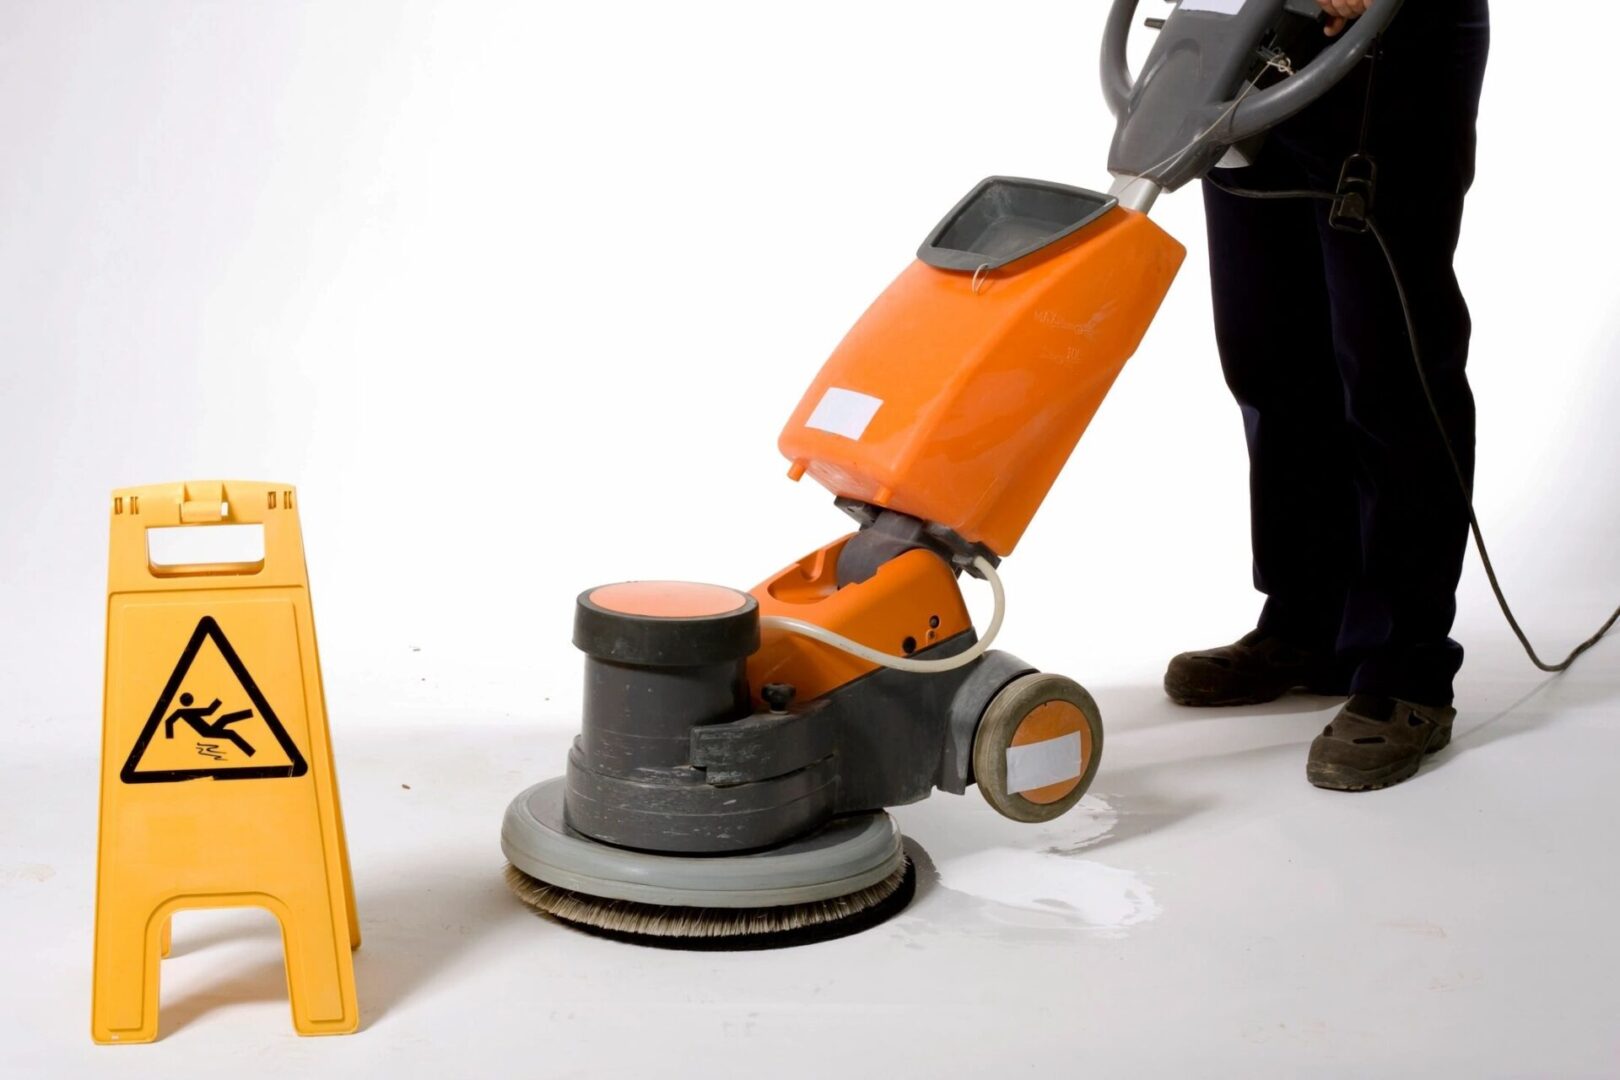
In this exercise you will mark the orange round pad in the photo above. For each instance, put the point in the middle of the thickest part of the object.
(668, 599)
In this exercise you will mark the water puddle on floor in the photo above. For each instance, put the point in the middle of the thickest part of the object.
(1043, 888)
(1015, 883)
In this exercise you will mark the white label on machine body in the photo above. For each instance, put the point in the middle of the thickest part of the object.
(1219, 7)
(1042, 764)
(844, 412)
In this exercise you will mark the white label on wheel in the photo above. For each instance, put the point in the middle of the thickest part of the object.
(1219, 7)
(844, 412)
(1042, 764)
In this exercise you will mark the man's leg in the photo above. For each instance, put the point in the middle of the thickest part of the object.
(1275, 337)
(1414, 523)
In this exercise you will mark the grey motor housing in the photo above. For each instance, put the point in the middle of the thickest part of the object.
(673, 758)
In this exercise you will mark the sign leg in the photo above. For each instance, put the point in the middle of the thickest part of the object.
(320, 972)
(125, 995)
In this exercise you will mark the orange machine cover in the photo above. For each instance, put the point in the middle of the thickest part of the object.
(957, 398)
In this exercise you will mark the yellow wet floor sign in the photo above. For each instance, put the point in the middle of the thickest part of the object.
(217, 782)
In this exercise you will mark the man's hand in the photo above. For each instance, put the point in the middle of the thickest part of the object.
(1342, 11)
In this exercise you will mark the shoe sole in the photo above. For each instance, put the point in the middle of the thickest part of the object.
(1198, 697)
(1339, 778)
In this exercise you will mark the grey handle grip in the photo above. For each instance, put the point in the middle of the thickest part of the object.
(1262, 111)
(1116, 69)
(1266, 109)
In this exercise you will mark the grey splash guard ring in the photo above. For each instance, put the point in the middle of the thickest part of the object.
(847, 855)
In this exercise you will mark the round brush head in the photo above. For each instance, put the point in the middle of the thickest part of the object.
(847, 875)
(720, 928)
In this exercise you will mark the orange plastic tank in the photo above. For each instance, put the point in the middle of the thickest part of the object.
(959, 395)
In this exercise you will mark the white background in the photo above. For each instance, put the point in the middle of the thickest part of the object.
(520, 295)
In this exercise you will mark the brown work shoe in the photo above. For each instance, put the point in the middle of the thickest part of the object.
(1375, 742)
(1256, 668)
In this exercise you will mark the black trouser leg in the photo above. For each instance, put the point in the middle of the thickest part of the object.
(1414, 516)
(1272, 323)
(1409, 526)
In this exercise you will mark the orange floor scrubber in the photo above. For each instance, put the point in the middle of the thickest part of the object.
(738, 750)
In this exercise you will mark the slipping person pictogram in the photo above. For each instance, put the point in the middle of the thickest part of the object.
(209, 664)
(216, 729)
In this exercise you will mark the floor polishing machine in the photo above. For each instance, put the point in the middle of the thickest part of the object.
(738, 749)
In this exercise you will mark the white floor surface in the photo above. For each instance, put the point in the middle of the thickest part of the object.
(1204, 913)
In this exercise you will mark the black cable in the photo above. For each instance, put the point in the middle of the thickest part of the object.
(1440, 426)
(1253, 193)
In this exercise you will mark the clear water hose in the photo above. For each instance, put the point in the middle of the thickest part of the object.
(981, 565)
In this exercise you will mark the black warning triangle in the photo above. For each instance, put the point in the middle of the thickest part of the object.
(208, 629)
